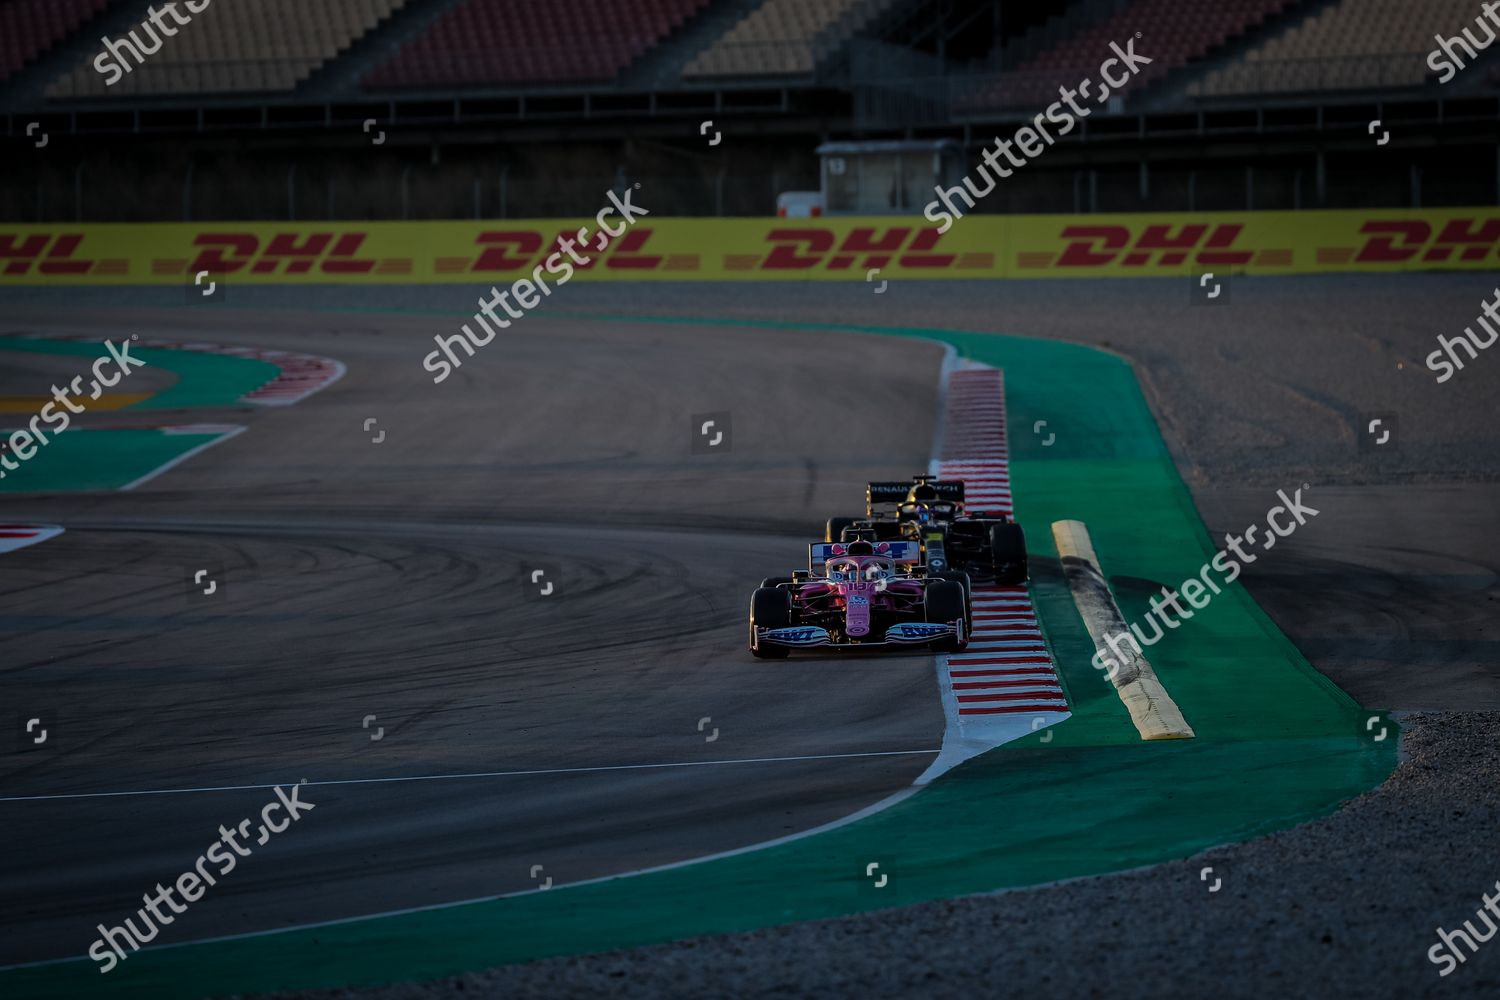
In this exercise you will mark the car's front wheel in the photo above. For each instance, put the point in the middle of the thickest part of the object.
(770, 607)
(962, 579)
(944, 604)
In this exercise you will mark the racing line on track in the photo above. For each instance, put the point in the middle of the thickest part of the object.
(1005, 684)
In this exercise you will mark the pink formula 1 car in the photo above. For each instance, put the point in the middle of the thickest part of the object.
(856, 595)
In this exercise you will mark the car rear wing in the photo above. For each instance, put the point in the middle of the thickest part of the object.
(879, 493)
(902, 553)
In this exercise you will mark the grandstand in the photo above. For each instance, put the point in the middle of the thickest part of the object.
(786, 37)
(266, 45)
(29, 28)
(1220, 49)
(1349, 45)
(482, 42)
(1174, 33)
(495, 106)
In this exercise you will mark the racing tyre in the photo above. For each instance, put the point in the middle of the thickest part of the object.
(1008, 553)
(769, 608)
(945, 602)
(775, 581)
(961, 578)
(835, 530)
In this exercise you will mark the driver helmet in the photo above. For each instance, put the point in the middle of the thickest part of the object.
(922, 497)
(861, 562)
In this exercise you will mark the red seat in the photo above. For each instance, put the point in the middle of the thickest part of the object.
(28, 28)
(1173, 33)
(506, 41)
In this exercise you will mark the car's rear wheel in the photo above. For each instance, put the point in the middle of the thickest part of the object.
(834, 531)
(944, 603)
(1008, 553)
(769, 608)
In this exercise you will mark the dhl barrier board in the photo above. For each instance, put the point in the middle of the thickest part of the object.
(823, 249)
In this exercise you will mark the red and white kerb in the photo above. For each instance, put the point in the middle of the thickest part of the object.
(1006, 669)
(18, 536)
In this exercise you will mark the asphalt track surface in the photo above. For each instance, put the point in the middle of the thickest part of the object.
(393, 579)
(572, 451)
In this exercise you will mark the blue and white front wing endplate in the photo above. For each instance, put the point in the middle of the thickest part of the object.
(903, 633)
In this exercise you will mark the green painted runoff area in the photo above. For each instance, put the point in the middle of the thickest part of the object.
(79, 461)
(203, 379)
(98, 459)
(1277, 744)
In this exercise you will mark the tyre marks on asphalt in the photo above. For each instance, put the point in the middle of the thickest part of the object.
(1005, 684)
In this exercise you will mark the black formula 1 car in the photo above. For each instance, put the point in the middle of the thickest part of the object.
(931, 512)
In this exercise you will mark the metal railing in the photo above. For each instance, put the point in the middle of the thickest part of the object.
(887, 95)
(1260, 77)
(283, 191)
(469, 72)
(175, 78)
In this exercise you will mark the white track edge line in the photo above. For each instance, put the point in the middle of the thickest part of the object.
(220, 439)
(951, 362)
(457, 777)
(869, 810)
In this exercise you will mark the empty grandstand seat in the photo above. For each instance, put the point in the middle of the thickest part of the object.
(244, 46)
(1172, 34)
(1352, 45)
(28, 28)
(512, 41)
(785, 37)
